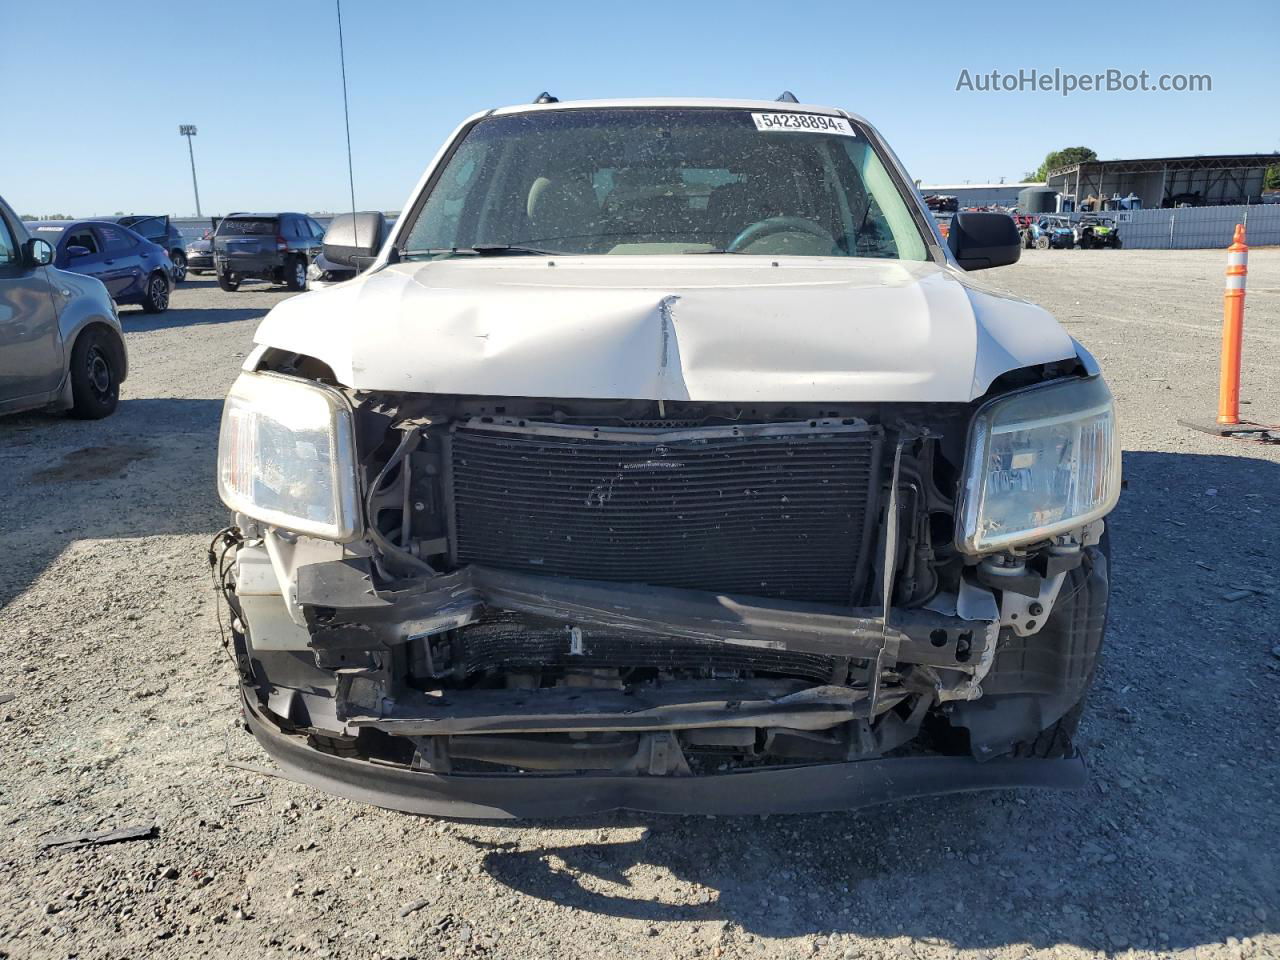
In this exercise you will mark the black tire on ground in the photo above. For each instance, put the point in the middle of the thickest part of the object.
(156, 298)
(295, 274)
(1056, 741)
(179, 260)
(95, 375)
(229, 282)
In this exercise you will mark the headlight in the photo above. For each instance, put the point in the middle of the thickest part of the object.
(1040, 462)
(286, 456)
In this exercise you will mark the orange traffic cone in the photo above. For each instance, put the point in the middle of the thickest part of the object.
(1228, 423)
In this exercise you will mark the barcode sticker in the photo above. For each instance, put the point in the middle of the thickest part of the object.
(803, 123)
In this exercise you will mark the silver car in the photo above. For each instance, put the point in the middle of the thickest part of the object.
(61, 344)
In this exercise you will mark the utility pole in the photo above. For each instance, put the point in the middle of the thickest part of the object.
(346, 117)
(188, 130)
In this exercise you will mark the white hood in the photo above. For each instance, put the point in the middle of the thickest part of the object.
(670, 328)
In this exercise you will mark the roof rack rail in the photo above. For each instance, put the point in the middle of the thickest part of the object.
(786, 96)
(545, 97)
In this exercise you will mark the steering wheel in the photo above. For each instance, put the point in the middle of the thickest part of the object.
(767, 228)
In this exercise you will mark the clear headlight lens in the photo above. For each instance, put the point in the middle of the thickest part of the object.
(286, 456)
(1040, 462)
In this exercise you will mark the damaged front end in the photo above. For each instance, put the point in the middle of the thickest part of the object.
(535, 607)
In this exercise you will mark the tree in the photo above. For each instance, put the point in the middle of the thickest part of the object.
(1060, 158)
(1271, 178)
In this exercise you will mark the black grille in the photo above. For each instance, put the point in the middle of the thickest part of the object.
(779, 515)
(504, 643)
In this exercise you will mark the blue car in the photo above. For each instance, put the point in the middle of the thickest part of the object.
(132, 268)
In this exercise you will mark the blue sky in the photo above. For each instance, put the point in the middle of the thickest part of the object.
(95, 94)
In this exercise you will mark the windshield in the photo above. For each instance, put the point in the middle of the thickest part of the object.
(662, 181)
(247, 227)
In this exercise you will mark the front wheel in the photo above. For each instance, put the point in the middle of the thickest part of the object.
(228, 281)
(156, 299)
(295, 274)
(95, 376)
(179, 260)
(1042, 243)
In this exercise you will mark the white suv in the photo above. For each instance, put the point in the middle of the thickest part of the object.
(666, 458)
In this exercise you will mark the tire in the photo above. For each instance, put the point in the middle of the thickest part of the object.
(295, 274)
(1055, 742)
(1042, 243)
(229, 282)
(95, 375)
(156, 298)
(179, 260)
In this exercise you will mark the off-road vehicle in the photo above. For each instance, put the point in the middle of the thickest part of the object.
(666, 458)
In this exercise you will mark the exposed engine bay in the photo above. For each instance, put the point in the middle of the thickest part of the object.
(657, 588)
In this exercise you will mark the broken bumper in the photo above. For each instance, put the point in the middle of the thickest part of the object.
(808, 788)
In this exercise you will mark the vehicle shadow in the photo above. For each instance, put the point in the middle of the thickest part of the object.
(147, 470)
(1171, 847)
(174, 318)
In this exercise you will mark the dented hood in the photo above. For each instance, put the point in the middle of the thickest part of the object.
(705, 328)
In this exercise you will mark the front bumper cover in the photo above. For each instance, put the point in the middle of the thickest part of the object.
(808, 788)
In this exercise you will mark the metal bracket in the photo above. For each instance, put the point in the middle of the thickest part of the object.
(1026, 615)
(664, 756)
(888, 653)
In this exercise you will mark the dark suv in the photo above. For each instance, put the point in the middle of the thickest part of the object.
(277, 247)
(160, 231)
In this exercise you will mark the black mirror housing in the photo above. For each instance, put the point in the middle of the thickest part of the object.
(75, 250)
(354, 239)
(979, 241)
(37, 253)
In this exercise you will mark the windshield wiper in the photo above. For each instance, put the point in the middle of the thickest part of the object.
(511, 249)
(484, 250)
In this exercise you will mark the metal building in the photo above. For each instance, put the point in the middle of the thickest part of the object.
(978, 194)
(1166, 181)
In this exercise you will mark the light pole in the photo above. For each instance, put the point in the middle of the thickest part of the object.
(188, 130)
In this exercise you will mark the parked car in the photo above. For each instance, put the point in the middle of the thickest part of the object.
(346, 235)
(133, 269)
(61, 345)
(1055, 233)
(160, 230)
(199, 254)
(666, 459)
(277, 247)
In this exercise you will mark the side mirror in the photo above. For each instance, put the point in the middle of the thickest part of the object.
(37, 253)
(982, 240)
(355, 237)
(77, 251)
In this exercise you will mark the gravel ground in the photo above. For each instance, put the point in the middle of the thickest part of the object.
(124, 713)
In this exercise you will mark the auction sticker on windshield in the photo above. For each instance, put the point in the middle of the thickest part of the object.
(803, 123)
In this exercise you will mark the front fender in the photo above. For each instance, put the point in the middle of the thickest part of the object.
(83, 302)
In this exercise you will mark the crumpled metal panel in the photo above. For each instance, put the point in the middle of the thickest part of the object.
(669, 328)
